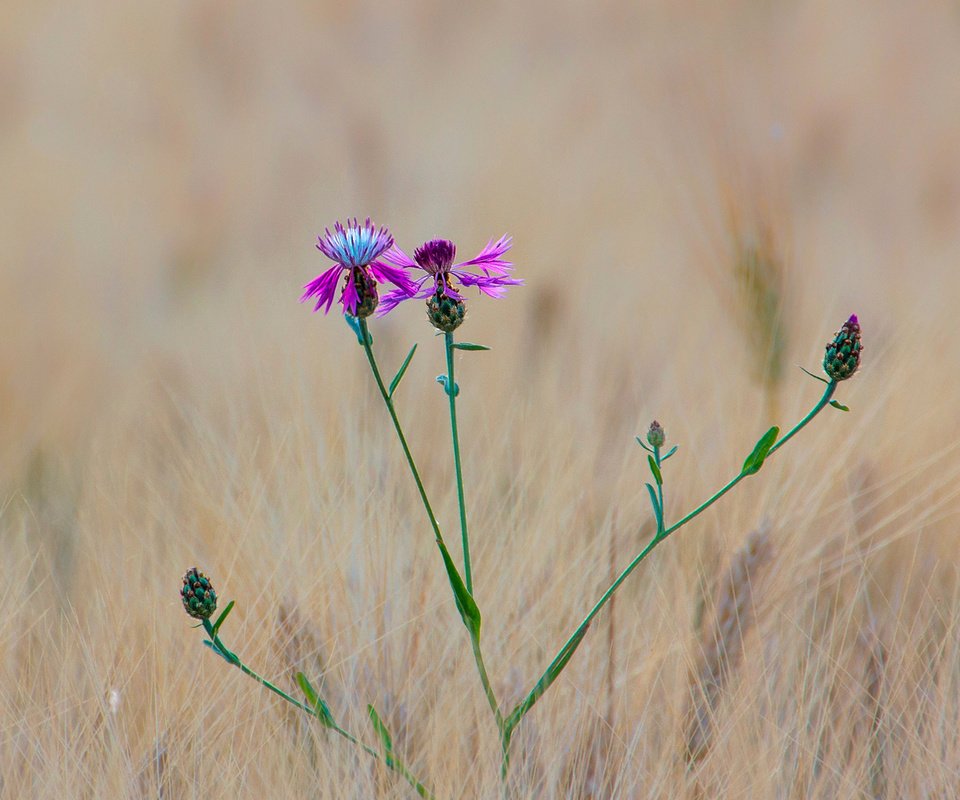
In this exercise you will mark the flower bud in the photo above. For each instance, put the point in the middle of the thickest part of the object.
(199, 598)
(842, 357)
(655, 436)
(445, 313)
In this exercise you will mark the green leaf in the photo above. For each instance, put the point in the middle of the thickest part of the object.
(670, 452)
(816, 377)
(320, 708)
(657, 511)
(841, 406)
(219, 652)
(655, 470)
(469, 346)
(354, 324)
(384, 735)
(643, 445)
(755, 460)
(466, 605)
(442, 380)
(403, 368)
(222, 617)
(546, 680)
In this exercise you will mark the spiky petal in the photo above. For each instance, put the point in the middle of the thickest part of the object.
(355, 250)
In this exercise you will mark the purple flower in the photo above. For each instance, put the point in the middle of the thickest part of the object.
(436, 257)
(355, 249)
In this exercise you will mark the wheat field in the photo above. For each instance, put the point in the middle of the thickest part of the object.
(699, 195)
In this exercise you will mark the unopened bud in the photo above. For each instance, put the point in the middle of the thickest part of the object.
(655, 436)
(842, 357)
(199, 598)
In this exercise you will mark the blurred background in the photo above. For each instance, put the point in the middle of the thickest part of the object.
(699, 195)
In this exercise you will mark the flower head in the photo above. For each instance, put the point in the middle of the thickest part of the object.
(842, 356)
(436, 257)
(199, 598)
(655, 435)
(355, 250)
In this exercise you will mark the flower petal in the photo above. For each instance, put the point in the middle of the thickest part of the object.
(490, 256)
(323, 287)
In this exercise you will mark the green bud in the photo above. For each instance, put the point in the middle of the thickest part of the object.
(655, 436)
(445, 313)
(842, 356)
(199, 598)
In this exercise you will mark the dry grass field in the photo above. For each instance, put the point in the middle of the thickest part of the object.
(699, 195)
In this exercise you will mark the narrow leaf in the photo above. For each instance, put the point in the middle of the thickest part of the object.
(657, 511)
(222, 617)
(643, 444)
(354, 324)
(546, 680)
(466, 605)
(655, 470)
(320, 708)
(403, 368)
(841, 406)
(216, 650)
(817, 377)
(670, 452)
(758, 456)
(469, 346)
(384, 735)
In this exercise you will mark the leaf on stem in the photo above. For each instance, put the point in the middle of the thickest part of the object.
(469, 346)
(815, 377)
(221, 618)
(644, 445)
(400, 372)
(320, 708)
(546, 680)
(657, 511)
(354, 324)
(670, 452)
(655, 470)
(217, 650)
(442, 380)
(755, 460)
(839, 405)
(466, 605)
(383, 734)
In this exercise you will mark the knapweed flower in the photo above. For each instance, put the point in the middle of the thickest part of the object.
(199, 598)
(355, 250)
(656, 436)
(439, 285)
(842, 357)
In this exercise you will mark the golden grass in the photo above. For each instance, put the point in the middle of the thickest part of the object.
(164, 402)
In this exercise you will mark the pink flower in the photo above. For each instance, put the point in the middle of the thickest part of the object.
(435, 258)
(355, 249)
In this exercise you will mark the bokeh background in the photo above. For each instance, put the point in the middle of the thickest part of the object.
(699, 194)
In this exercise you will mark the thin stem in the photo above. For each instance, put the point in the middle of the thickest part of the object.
(656, 458)
(485, 681)
(393, 764)
(396, 425)
(474, 641)
(563, 656)
(452, 395)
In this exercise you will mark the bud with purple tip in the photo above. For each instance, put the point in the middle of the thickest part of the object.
(842, 357)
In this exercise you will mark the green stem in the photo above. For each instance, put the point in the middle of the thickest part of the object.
(452, 395)
(388, 401)
(234, 659)
(563, 656)
(656, 458)
(474, 639)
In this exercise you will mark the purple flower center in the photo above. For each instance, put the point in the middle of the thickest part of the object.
(436, 256)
